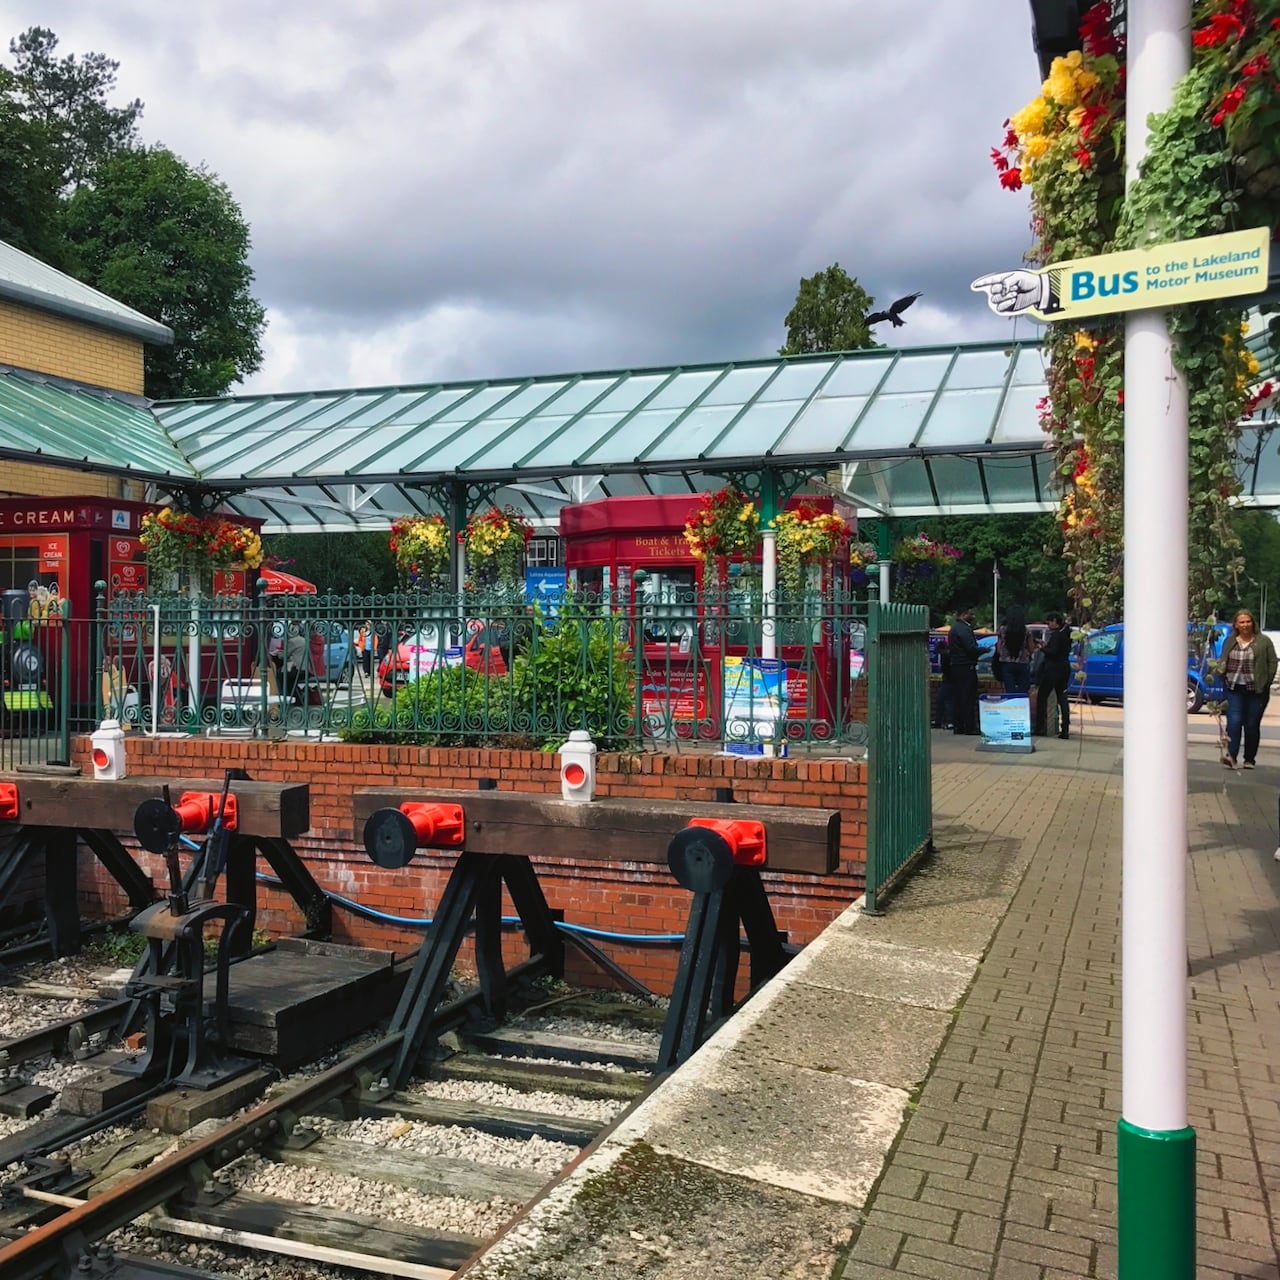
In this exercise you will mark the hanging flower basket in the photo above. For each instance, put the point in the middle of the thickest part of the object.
(189, 548)
(725, 526)
(862, 555)
(420, 545)
(806, 536)
(921, 556)
(495, 542)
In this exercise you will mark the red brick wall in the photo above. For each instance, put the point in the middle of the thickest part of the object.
(616, 897)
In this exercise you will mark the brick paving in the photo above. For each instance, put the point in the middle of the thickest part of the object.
(1006, 1166)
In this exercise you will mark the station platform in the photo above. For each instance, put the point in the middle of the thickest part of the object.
(934, 1092)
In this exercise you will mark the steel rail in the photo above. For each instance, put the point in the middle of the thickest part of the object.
(55, 1248)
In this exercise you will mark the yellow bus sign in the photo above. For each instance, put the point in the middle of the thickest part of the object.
(1161, 275)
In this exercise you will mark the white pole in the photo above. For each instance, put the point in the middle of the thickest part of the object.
(885, 566)
(1156, 1174)
(995, 594)
(769, 591)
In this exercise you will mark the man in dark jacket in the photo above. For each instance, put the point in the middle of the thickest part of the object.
(964, 671)
(1055, 672)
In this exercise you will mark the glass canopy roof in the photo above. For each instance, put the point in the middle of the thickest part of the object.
(915, 431)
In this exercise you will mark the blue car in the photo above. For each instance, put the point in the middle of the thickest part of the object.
(1099, 664)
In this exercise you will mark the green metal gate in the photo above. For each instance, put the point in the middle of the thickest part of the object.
(899, 784)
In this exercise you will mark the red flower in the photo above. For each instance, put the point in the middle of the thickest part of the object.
(1096, 37)
(1258, 64)
(1011, 179)
(999, 161)
(1083, 156)
(1011, 139)
(1231, 101)
(1219, 29)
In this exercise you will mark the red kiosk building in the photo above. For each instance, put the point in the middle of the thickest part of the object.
(632, 550)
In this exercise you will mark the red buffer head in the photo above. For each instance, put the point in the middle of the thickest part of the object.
(393, 836)
(8, 800)
(437, 826)
(197, 811)
(744, 838)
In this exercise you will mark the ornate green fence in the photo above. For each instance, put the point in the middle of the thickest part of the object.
(899, 785)
(663, 667)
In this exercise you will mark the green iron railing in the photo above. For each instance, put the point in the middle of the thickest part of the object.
(451, 670)
(37, 659)
(899, 782)
(484, 668)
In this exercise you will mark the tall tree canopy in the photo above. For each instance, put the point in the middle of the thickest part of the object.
(79, 191)
(830, 314)
(67, 97)
(170, 241)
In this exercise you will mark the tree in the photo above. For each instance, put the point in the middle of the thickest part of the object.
(1259, 534)
(29, 182)
(830, 314)
(169, 241)
(68, 99)
(359, 562)
(1027, 548)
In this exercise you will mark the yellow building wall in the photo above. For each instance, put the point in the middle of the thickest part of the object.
(66, 348)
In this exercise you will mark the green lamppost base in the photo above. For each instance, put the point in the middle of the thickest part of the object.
(1157, 1203)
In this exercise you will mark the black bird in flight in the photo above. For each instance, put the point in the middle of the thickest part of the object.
(894, 314)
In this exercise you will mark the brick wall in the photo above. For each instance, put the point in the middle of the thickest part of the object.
(33, 339)
(21, 478)
(616, 897)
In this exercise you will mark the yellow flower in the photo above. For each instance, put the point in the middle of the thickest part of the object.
(1060, 87)
(1086, 80)
(1250, 362)
(1084, 342)
(1031, 119)
(1244, 327)
(1035, 146)
(1075, 118)
(1073, 60)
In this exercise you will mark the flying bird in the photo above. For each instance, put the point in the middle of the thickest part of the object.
(894, 314)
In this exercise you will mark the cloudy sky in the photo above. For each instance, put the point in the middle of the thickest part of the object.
(472, 188)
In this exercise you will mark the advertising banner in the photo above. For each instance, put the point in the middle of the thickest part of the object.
(1005, 721)
(755, 703)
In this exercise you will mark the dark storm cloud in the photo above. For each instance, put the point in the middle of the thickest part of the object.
(493, 187)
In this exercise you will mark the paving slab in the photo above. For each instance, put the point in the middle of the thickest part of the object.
(864, 966)
(789, 1145)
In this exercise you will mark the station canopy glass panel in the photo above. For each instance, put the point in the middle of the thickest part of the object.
(914, 431)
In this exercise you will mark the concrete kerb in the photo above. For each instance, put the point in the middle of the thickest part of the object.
(781, 1113)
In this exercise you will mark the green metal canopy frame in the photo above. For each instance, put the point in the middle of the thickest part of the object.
(910, 432)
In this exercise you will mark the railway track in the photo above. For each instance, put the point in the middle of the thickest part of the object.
(334, 1168)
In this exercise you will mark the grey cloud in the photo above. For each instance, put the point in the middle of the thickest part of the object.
(587, 183)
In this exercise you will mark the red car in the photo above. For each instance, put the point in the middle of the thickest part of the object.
(420, 652)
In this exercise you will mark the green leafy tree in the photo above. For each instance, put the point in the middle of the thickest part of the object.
(1259, 534)
(79, 192)
(67, 97)
(341, 562)
(170, 241)
(29, 182)
(830, 314)
(1027, 548)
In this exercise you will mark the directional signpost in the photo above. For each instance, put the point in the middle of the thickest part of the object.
(1156, 1146)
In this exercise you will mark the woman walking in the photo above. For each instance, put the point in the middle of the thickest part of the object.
(1248, 668)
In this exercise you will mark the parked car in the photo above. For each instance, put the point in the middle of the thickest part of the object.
(1099, 664)
(337, 651)
(418, 653)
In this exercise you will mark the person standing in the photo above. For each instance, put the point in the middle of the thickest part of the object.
(963, 646)
(1013, 648)
(1248, 668)
(1055, 672)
